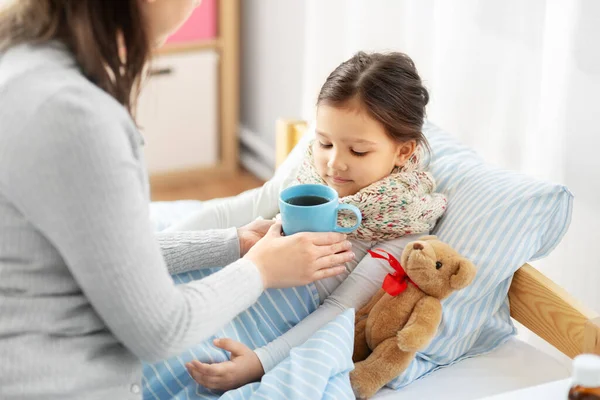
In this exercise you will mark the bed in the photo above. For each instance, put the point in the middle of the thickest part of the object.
(476, 352)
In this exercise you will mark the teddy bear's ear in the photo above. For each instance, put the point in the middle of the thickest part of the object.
(428, 237)
(464, 275)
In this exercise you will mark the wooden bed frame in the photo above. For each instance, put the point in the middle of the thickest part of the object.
(535, 301)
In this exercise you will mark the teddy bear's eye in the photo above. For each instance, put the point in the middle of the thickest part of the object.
(438, 265)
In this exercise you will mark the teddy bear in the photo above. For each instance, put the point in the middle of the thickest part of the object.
(404, 315)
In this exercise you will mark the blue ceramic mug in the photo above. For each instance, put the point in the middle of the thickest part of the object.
(313, 208)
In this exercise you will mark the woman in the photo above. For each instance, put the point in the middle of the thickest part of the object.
(85, 291)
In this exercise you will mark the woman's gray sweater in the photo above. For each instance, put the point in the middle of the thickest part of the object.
(85, 290)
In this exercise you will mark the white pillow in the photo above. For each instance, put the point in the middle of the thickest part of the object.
(498, 219)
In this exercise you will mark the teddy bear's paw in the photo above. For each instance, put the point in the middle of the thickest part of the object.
(357, 393)
(362, 383)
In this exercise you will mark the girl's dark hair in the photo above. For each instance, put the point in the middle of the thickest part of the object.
(388, 86)
(90, 29)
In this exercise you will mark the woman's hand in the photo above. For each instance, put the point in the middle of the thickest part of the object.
(296, 260)
(252, 233)
(244, 367)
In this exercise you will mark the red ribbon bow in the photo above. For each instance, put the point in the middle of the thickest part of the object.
(395, 283)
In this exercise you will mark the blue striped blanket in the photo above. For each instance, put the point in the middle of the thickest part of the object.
(317, 369)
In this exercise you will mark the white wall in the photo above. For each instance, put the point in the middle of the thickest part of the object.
(272, 37)
(272, 40)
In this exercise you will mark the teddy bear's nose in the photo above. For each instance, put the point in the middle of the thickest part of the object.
(418, 246)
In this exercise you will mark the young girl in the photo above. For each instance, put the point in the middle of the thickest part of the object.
(368, 147)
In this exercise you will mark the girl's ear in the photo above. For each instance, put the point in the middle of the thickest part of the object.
(405, 151)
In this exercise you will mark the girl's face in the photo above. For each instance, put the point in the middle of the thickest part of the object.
(164, 17)
(353, 150)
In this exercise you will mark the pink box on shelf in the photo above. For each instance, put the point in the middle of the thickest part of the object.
(202, 24)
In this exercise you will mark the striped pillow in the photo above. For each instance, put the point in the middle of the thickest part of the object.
(498, 219)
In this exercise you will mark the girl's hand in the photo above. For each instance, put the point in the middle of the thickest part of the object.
(244, 367)
(296, 260)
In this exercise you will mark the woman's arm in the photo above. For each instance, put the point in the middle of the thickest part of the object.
(79, 182)
(188, 251)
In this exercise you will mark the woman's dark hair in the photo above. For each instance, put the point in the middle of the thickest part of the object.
(389, 88)
(90, 29)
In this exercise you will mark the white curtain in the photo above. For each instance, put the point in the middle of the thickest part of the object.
(519, 80)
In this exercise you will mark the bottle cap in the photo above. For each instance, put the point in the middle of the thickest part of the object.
(586, 370)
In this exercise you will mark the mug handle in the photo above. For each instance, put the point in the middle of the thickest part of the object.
(356, 212)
